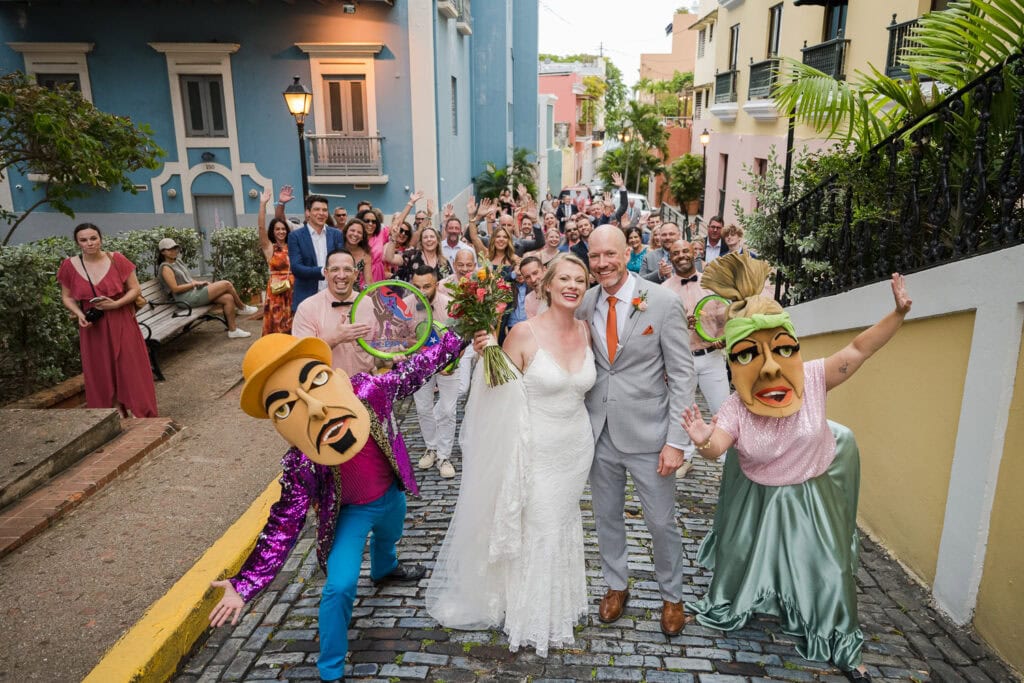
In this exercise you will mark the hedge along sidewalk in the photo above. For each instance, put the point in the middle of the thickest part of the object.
(152, 649)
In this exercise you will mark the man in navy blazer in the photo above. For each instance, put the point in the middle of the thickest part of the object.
(308, 247)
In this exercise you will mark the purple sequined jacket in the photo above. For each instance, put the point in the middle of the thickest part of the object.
(305, 483)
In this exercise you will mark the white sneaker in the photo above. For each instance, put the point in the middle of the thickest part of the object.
(248, 310)
(238, 333)
(445, 468)
(427, 461)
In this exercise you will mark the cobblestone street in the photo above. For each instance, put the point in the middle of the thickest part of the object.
(393, 638)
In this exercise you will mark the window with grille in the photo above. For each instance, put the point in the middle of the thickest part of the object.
(701, 37)
(346, 104)
(774, 29)
(202, 98)
(455, 106)
(53, 81)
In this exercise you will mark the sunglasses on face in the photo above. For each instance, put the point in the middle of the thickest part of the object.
(341, 216)
(370, 220)
(404, 232)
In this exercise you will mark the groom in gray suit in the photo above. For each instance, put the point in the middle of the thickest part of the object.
(645, 379)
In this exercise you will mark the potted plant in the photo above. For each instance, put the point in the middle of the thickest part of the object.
(686, 180)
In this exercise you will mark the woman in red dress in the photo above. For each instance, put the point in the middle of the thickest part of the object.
(100, 289)
(277, 314)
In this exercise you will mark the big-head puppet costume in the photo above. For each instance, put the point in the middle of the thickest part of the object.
(348, 461)
(784, 540)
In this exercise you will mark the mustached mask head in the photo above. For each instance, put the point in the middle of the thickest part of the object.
(312, 406)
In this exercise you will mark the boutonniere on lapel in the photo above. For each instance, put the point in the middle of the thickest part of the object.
(639, 303)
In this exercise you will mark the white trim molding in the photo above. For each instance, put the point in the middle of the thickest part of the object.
(342, 59)
(348, 179)
(423, 85)
(725, 111)
(57, 58)
(213, 59)
(761, 110)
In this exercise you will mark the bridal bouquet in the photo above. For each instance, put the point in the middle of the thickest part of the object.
(477, 303)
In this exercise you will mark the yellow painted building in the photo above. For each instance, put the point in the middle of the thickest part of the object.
(738, 45)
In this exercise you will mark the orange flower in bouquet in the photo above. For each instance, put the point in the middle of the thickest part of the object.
(477, 303)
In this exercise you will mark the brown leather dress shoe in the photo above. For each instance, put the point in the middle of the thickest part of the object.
(612, 605)
(673, 618)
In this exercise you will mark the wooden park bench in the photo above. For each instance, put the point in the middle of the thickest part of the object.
(162, 319)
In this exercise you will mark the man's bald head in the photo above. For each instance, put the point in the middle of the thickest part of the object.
(608, 255)
(609, 232)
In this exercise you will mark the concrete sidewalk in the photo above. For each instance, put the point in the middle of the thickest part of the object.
(393, 638)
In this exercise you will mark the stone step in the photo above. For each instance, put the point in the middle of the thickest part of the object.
(40, 444)
(59, 495)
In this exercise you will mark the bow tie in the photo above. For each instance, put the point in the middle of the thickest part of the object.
(336, 304)
(692, 278)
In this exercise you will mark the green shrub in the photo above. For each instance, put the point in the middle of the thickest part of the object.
(38, 337)
(237, 257)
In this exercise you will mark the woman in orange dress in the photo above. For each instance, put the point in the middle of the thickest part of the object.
(277, 313)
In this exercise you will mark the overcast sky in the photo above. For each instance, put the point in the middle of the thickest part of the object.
(625, 28)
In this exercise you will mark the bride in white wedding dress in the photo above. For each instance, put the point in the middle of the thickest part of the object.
(513, 554)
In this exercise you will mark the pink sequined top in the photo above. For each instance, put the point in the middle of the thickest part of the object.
(780, 451)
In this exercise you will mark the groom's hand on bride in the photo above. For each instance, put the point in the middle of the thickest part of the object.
(669, 460)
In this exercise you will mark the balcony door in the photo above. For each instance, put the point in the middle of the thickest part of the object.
(835, 19)
(345, 105)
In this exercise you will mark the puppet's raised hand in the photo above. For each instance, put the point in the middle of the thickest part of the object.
(229, 606)
(899, 293)
(695, 426)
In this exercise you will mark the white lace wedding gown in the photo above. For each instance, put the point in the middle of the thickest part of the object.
(513, 553)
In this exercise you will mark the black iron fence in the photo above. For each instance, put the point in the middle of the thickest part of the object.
(946, 186)
(828, 57)
(899, 39)
(762, 79)
(725, 87)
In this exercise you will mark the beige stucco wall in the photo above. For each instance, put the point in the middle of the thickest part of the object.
(904, 406)
(1001, 593)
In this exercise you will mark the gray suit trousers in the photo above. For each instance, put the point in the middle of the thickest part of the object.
(657, 496)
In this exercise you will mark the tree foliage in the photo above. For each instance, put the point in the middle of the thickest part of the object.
(633, 162)
(236, 256)
(79, 148)
(494, 179)
(686, 178)
(614, 98)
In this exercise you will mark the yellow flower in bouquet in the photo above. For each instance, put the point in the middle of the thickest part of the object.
(477, 303)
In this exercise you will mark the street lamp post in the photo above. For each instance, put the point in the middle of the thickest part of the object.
(299, 100)
(705, 138)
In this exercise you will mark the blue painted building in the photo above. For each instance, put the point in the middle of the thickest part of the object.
(407, 95)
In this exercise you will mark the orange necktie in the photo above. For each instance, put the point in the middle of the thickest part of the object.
(612, 329)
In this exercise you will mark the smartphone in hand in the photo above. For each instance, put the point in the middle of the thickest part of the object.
(96, 298)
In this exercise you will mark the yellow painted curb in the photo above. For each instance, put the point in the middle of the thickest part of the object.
(152, 649)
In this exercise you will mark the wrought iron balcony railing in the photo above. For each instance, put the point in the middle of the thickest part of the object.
(725, 87)
(762, 79)
(899, 39)
(828, 57)
(343, 155)
(946, 185)
(464, 20)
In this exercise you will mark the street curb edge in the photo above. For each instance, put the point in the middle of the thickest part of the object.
(153, 647)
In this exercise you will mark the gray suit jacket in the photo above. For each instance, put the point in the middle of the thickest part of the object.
(649, 267)
(632, 397)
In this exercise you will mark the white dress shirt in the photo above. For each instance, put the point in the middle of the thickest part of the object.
(320, 249)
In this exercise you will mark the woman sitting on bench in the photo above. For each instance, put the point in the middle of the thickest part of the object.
(178, 283)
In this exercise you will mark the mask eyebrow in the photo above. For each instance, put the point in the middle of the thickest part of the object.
(276, 396)
(306, 369)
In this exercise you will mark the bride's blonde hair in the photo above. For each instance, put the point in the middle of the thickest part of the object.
(549, 274)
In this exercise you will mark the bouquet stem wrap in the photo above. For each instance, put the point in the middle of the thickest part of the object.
(478, 302)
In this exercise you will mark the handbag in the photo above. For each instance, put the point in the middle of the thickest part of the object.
(280, 286)
(93, 314)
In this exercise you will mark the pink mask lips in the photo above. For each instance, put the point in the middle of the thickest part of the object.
(334, 430)
(775, 396)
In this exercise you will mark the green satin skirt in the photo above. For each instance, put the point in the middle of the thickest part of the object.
(791, 552)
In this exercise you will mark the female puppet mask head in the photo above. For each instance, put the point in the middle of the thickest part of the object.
(764, 352)
(767, 369)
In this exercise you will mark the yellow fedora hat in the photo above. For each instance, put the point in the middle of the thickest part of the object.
(266, 355)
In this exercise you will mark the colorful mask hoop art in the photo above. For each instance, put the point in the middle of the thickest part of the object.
(395, 311)
(710, 313)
